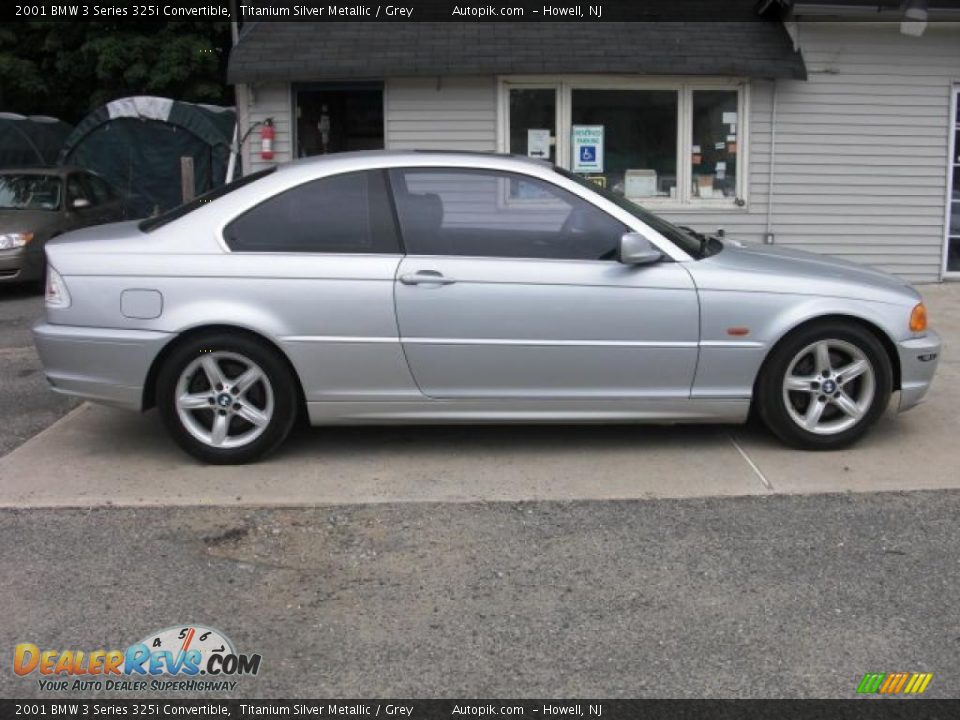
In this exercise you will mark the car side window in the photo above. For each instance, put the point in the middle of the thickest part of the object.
(76, 190)
(488, 213)
(347, 213)
(100, 189)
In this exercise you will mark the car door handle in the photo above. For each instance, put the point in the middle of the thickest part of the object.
(426, 277)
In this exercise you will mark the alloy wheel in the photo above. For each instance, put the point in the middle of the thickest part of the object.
(829, 386)
(224, 399)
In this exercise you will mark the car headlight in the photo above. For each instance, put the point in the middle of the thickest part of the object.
(10, 241)
(56, 294)
(918, 318)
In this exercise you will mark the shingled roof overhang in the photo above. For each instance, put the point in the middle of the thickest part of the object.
(310, 52)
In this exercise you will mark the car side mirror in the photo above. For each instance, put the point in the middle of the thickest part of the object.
(79, 203)
(635, 249)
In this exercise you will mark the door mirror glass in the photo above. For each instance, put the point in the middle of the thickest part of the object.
(635, 249)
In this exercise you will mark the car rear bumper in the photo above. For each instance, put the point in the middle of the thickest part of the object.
(104, 365)
(918, 363)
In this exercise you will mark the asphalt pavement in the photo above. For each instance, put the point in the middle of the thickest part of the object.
(776, 596)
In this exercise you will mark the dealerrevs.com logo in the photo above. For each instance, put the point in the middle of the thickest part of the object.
(187, 658)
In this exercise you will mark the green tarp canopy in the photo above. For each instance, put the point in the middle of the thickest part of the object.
(33, 141)
(136, 143)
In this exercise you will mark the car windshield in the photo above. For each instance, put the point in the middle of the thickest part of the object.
(30, 192)
(178, 212)
(683, 238)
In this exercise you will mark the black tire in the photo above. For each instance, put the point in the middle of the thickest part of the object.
(772, 405)
(283, 388)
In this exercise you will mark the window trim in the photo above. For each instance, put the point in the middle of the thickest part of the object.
(684, 86)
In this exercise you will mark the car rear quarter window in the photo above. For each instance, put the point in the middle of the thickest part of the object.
(346, 213)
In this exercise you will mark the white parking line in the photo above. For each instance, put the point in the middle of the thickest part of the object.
(743, 453)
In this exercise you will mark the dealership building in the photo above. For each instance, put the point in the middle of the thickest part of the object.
(831, 127)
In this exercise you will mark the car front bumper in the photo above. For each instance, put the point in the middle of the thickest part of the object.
(105, 365)
(918, 363)
(20, 264)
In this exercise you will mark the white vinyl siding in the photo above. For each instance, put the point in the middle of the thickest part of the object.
(861, 149)
(875, 115)
(446, 113)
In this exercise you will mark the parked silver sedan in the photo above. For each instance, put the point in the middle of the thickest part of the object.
(428, 287)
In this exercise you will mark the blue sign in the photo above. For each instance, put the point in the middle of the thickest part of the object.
(587, 148)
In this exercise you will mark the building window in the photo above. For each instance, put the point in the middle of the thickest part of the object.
(533, 127)
(658, 142)
(639, 138)
(713, 146)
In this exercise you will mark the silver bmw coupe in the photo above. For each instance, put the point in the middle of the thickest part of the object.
(432, 287)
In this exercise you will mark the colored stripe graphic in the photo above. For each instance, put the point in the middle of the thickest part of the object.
(927, 677)
(894, 683)
(890, 681)
(871, 683)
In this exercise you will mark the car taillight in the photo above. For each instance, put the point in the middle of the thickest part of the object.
(56, 293)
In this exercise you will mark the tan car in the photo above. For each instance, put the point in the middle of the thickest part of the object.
(37, 204)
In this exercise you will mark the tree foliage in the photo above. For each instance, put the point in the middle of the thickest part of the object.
(67, 69)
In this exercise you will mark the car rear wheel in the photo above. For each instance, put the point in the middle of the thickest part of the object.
(227, 398)
(824, 386)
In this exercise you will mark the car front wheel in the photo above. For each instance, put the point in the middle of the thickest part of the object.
(226, 398)
(825, 385)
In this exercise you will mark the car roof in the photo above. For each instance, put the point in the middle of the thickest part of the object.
(417, 157)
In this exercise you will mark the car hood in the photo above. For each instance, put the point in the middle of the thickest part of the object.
(771, 268)
(39, 222)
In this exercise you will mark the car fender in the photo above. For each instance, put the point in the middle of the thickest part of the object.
(739, 329)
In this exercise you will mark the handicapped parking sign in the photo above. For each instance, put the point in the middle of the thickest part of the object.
(587, 148)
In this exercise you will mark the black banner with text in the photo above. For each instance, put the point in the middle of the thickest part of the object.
(459, 709)
(436, 10)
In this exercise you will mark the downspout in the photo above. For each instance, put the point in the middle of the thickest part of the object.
(768, 236)
(240, 99)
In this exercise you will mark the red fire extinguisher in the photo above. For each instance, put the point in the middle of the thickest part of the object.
(267, 134)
